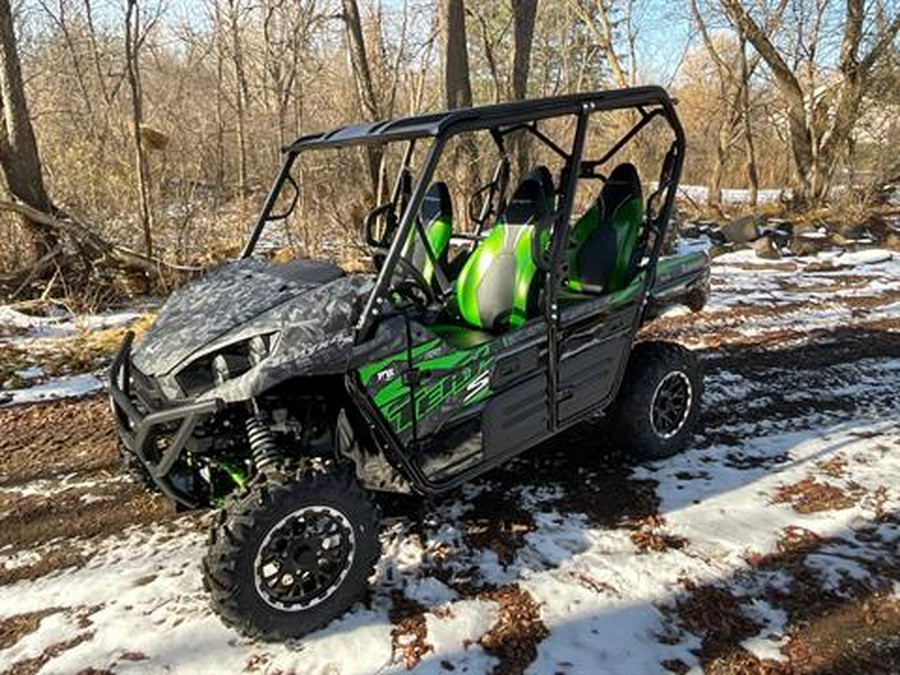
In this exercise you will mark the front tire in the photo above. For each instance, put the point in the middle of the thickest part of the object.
(658, 405)
(291, 553)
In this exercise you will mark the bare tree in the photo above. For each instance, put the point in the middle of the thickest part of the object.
(524, 12)
(133, 42)
(820, 130)
(733, 81)
(749, 143)
(19, 156)
(285, 27)
(492, 37)
(362, 75)
(234, 10)
(457, 85)
(596, 17)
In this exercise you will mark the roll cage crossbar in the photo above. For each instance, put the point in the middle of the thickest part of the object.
(499, 120)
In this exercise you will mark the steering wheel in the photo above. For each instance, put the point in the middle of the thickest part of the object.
(416, 288)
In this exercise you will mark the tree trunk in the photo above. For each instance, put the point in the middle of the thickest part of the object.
(142, 165)
(19, 156)
(524, 12)
(604, 35)
(749, 145)
(240, 93)
(714, 194)
(489, 44)
(457, 85)
(220, 105)
(819, 135)
(365, 89)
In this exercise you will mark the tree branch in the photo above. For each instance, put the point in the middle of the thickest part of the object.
(785, 77)
(92, 243)
(882, 44)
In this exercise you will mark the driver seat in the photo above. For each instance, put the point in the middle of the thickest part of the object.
(436, 216)
(495, 290)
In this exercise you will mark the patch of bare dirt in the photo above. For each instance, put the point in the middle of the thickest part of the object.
(717, 616)
(14, 628)
(409, 635)
(34, 665)
(851, 628)
(518, 631)
(61, 485)
(861, 636)
(49, 440)
(834, 467)
(811, 496)
(60, 556)
(595, 478)
(37, 519)
(727, 328)
(650, 535)
(499, 523)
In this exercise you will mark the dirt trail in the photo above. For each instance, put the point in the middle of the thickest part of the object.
(60, 485)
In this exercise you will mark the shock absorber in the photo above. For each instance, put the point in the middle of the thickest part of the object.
(263, 448)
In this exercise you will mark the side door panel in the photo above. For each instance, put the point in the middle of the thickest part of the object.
(475, 403)
(594, 347)
(518, 417)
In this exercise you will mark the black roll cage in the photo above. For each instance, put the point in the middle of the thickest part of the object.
(499, 120)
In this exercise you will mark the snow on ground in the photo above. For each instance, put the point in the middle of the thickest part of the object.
(59, 387)
(61, 323)
(751, 296)
(698, 195)
(569, 559)
(30, 337)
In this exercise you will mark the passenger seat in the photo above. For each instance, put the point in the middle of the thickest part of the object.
(436, 216)
(602, 242)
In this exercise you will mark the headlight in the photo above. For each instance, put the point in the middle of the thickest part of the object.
(213, 370)
(258, 348)
(226, 366)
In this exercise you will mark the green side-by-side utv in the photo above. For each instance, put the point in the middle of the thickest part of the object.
(290, 395)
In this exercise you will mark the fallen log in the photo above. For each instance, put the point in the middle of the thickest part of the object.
(91, 247)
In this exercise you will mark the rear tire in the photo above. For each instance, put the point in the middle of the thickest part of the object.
(658, 404)
(291, 553)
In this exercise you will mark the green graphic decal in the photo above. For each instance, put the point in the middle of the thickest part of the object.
(462, 370)
(367, 372)
(451, 381)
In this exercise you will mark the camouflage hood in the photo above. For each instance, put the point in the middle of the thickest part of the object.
(233, 299)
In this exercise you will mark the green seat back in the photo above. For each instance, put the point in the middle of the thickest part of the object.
(436, 215)
(602, 242)
(542, 174)
(495, 290)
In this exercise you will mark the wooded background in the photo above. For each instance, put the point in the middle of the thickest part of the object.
(137, 137)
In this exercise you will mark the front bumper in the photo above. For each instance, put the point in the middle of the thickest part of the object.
(138, 431)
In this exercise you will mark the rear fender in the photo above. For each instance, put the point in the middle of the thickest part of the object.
(680, 280)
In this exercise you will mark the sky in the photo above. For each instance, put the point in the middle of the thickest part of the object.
(663, 33)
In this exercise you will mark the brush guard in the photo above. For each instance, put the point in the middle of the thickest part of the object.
(139, 432)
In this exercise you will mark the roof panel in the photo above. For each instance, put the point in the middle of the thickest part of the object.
(482, 117)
